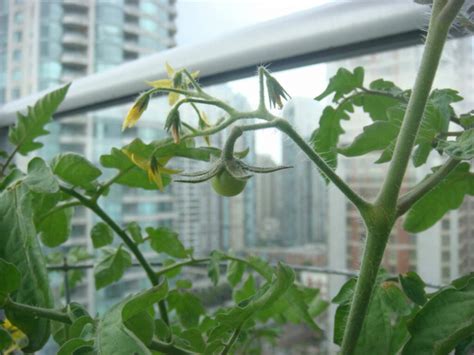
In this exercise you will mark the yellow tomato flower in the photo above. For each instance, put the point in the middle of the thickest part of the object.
(136, 111)
(19, 338)
(153, 167)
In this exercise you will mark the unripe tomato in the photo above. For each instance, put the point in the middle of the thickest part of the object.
(226, 185)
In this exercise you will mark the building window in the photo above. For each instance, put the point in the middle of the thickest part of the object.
(17, 55)
(16, 76)
(17, 37)
(148, 25)
(19, 17)
(446, 256)
(16, 93)
(445, 224)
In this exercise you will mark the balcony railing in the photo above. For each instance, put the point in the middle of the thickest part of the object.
(328, 32)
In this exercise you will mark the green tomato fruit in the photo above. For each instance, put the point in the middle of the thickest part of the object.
(226, 185)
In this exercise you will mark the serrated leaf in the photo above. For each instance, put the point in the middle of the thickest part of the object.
(191, 339)
(324, 139)
(55, 228)
(445, 320)
(343, 83)
(164, 240)
(235, 271)
(31, 126)
(19, 246)
(374, 137)
(113, 337)
(448, 195)
(75, 170)
(111, 266)
(462, 148)
(247, 290)
(135, 231)
(414, 287)
(101, 235)
(188, 307)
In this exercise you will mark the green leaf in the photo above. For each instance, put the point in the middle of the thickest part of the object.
(101, 235)
(467, 119)
(462, 148)
(19, 246)
(5, 339)
(113, 336)
(14, 175)
(111, 266)
(79, 317)
(31, 126)
(75, 170)
(188, 307)
(164, 240)
(414, 287)
(384, 330)
(213, 268)
(191, 339)
(235, 271)
(324, 139)
(76, 346)
(55, 228)
(445, 320)
(40, 179)
(162, 330)
(343, 83)
(374, 137)
(448, 195)
(10, 279)
(174, 272)
(142, 325)
(184, 284)
(247, 290)
(135, 232)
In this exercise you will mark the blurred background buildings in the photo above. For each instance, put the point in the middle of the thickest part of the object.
(289, 215)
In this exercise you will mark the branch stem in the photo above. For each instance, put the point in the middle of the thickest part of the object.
(38, 311)
(93, 206)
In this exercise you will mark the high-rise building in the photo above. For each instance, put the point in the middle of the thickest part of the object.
(303, 191)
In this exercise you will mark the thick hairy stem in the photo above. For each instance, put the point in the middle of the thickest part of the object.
(373, 253)
(380, 218)
(93, 206)
(437, 33)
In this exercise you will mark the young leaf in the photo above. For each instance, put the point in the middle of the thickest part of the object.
(445, 320)
(31, 126)
(343, 83)
(111, 266)
(101, 235)
(113, 336)
(40, 178)
(414, 287)
(19, 246)
(448, 195)
(135, 232)
(188, 307)
(164, 240)
(55, 228)
(247, 290)
(235, 271)
(462, 148)
(75, 170)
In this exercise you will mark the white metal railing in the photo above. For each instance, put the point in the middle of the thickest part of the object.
(324, 28)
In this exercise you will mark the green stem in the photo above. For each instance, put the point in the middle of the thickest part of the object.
(38, 311)
(172, 267)
(380, 218)
(9, 160)
(437, 33)
(93, 206)
(231, 342)
(110, 182)
(357, 200)
(167, 348)
(412, 196)
(261, 87)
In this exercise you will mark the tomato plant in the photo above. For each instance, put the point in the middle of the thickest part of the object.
(376, 312)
